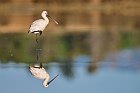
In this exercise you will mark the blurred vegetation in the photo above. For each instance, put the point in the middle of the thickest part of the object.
(22, 47)
(63, 49)
(128, 40)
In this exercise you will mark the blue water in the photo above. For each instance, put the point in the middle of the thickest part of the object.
(121, 77)
(105, 80)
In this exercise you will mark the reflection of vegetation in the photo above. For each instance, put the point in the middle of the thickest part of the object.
(14, 47)
(62, 48)
(126, 40)
(105, 42)
(75, 43)
(129, 39)
(67, 69)
(21, 48)
(92, 68)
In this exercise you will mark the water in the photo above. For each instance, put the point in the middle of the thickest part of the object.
(95, 48)
(17, 78)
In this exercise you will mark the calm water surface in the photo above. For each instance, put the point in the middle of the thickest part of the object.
(121, 75)
(121, 78)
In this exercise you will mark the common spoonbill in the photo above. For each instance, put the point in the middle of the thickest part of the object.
(39, 25)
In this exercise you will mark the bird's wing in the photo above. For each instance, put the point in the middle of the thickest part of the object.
(38, 25)
(39, 73)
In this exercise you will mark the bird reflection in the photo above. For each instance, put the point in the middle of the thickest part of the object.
(39, 72)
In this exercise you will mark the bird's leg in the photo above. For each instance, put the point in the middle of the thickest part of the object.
(36, 39)
(41, 65)
(37, 50)
(37, 56)
(40, 33)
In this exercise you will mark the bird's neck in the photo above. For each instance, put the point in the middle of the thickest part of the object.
(45, 81)
(45, 18)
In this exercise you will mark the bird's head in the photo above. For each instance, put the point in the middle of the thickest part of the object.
(45, 13)
(46, 84)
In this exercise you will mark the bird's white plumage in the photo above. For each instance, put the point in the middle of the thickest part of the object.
(40, 24)
(39, 73)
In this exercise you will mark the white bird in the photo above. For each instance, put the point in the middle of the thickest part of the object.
(39, 25)
(40, 73)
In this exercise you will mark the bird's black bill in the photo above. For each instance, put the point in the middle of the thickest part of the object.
(52, 79)
(53, 19)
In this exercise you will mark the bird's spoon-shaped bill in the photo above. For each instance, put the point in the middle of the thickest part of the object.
(53, 19)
